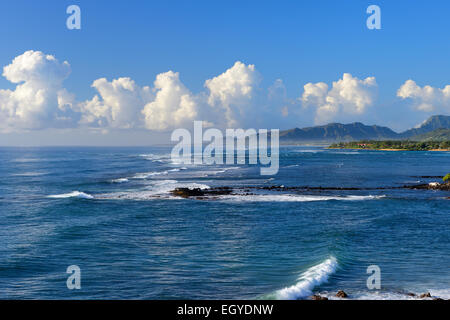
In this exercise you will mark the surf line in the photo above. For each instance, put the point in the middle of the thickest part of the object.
(235, 143)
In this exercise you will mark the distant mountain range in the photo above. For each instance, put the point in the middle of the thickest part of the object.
(435, 135)
(338, 132)
(431, 124)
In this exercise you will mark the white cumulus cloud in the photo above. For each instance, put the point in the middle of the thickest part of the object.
(232, 92)
(231, 99)
(118, 104)
(174, 105)
(427, 98)
(348, 96)
(39, 99)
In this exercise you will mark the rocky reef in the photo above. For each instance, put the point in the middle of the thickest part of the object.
(431, 186)
(201, 193)
(342, 294)
(215, 192)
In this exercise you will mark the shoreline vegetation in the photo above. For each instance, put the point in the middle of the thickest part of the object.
(393, 145)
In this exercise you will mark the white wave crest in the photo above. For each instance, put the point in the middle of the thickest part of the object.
(73, 194)
(177, 169)
(311, 278)
(157, 190)
(222, 170)
(147, 175)
(156, 157)
(29, 174)
(440, 293)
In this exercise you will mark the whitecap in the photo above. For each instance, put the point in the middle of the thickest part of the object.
(146, 175)
(157, 190)
(29, 174)
(155, 157)
(73, 194)
(295, 198)
(119, 180)
(310, 279)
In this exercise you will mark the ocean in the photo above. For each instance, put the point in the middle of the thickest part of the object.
(110, 212)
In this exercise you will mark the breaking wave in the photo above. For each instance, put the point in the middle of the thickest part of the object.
(155, 157)
(73, 194)
(157, 190)
(120, 180)
(310, 279)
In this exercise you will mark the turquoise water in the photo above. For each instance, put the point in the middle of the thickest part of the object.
(108, 211)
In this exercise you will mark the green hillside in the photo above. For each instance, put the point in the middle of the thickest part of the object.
(406, 145)
(436, 135)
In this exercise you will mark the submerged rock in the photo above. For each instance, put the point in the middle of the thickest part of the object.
(318, 297)
(425, 295)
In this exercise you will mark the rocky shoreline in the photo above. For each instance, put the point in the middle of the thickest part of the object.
(431, 186)
(343, 295)
(387, 149)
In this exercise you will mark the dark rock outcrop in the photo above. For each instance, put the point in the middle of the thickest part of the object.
(201, 193)
(425, 295)
(430, 186)
(341, 294)
(318, 297)
(205, 194)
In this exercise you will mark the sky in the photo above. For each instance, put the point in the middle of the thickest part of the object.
(137, 70)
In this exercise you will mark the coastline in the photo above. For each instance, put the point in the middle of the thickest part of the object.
(435, 150)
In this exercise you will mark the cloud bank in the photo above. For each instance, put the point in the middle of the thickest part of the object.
(233, 98)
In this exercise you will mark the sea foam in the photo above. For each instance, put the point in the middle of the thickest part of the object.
(158, 189)
(295, 198)
(73, 194)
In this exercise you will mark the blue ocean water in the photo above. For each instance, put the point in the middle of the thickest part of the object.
(109, 211)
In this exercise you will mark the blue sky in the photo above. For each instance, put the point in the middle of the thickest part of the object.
(298, 42)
